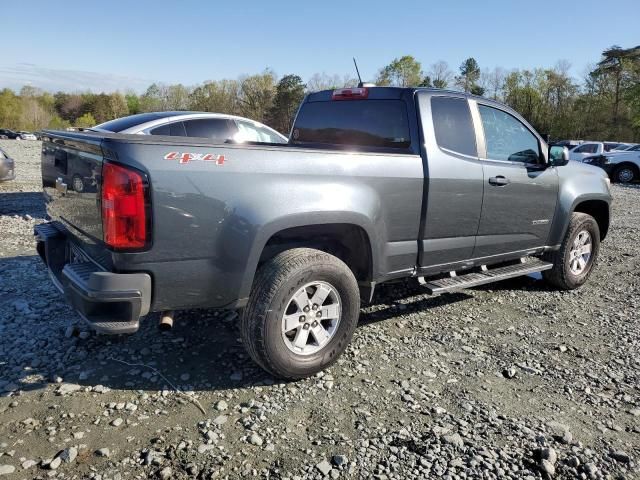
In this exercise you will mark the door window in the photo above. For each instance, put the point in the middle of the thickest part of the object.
(453, 126)
(175, 129)
(248, 132)
(507, 138)
(587, 148)
(217, 129)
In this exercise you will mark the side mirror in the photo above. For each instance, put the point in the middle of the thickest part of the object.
(558, 156)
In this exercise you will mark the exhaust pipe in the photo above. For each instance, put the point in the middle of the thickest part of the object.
(166, 320)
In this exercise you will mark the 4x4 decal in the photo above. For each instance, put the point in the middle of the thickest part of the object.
(186, 157)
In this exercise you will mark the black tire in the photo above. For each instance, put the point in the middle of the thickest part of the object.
(561, 275)
(273, 287)
(625, 174)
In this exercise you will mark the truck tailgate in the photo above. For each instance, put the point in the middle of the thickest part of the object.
(71, 170)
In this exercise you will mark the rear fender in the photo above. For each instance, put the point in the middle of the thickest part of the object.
(270, 229)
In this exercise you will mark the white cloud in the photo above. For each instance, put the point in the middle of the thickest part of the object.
(53, 79)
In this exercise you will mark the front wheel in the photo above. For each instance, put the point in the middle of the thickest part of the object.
(625, 174)
(301, 314)
(574, 261)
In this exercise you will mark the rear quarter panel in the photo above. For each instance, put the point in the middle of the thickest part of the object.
(211, 219)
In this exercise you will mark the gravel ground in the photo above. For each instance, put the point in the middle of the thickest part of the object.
(509, 381)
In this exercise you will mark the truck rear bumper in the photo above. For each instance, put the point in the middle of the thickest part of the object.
(112, 303)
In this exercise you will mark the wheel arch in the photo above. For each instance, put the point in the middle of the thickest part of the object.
(599, 210)
(346, 235)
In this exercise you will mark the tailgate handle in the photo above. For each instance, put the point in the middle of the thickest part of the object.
(499, 181)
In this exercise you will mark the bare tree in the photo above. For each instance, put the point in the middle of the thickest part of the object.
(322, 81)
(440, 74)
(493, 82)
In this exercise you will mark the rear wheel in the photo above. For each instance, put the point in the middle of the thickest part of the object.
(574, 261)
(625, 174)
(301, 314)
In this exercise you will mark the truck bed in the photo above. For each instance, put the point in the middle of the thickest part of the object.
(214, 206)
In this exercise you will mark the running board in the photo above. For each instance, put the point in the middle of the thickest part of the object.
(473, 279)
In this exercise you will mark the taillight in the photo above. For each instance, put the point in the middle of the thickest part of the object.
(124, 207)
(350, 93)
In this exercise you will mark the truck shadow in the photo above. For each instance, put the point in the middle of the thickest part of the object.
(22, 203)
(44, 341)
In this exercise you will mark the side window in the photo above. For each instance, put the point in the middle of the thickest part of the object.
(453, 126)
(269, 136)
(587, 148)
(175, 129)
(507, 138)
(218, 130)
(249, 132)
(163, 130)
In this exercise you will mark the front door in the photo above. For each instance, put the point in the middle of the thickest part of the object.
(520, 191)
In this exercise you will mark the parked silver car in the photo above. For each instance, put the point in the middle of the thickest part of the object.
(214, 126)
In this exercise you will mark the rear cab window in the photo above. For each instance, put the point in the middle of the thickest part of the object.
(370, 123)
(453, 125)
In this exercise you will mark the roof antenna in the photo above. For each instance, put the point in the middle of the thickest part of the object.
(360, 84)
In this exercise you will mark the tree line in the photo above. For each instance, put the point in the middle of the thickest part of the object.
(603, 105)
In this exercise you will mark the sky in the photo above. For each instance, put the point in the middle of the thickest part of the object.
(83, 45)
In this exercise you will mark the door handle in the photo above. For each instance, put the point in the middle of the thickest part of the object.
(499, 181)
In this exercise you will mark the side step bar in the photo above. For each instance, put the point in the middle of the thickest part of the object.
(460, 282)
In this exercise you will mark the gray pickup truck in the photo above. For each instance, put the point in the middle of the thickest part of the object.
(375, 184)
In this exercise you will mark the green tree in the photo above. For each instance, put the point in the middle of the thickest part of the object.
(617, 63)
(117, 106)
(256, 95)
(85, 121)
(133, 102)
(57, 123)
(216, 96)
(150, 100)
(289, 94)
(469, 74)
(10, 109)
(405, 71)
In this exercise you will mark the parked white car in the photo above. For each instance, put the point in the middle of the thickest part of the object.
(624, 146)
(623, 167)
(588, 149)
(26, 136)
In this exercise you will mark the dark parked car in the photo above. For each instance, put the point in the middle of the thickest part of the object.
(7, 167)
(10, 134)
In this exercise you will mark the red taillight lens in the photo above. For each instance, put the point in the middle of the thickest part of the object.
(124, 209)
(350, 93)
